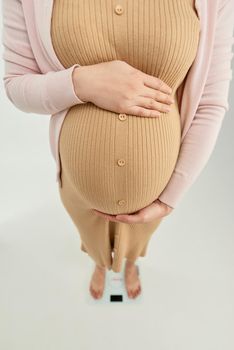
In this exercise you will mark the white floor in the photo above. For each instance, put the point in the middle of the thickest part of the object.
(187, 276)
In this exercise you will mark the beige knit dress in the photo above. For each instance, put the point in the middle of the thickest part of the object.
(120, 163)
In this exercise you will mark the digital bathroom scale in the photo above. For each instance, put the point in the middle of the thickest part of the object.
(114, 290)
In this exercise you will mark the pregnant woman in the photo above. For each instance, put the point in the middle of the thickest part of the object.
(137, 91)
(119, 163)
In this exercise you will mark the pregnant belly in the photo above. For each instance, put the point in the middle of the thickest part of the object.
(118, 163)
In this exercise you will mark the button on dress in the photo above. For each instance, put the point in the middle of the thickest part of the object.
(119, 163)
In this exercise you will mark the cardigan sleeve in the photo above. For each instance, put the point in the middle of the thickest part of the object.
(26, 86)
(201, 137)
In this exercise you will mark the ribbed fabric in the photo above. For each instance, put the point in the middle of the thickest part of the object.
(114, 164)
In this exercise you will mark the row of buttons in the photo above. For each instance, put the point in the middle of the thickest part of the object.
(121, 162)
(121, 116)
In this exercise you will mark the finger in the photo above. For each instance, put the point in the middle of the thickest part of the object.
(157, 95)
(101, 214)
(143, 112)
(130, 219)
(156, 83)
(150, 103)
(117, 219)
(107, 216)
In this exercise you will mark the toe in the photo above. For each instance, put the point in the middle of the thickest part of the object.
(136, 292)
(91, 291)
(94, 293)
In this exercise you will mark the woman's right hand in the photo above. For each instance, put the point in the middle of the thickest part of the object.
(117, 86)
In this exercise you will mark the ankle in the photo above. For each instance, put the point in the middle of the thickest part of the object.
(100, 267)
(130, 263)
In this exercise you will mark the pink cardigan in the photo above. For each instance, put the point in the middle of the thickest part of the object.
(36, 82)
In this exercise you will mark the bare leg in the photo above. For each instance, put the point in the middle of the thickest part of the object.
(97, 282)
(132, 281)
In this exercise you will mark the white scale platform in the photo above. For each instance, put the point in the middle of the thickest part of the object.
(114, 291)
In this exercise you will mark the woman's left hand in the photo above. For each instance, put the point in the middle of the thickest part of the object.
(150, 213)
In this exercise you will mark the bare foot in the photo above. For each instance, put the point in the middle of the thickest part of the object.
(132, 281)
(97, 282)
